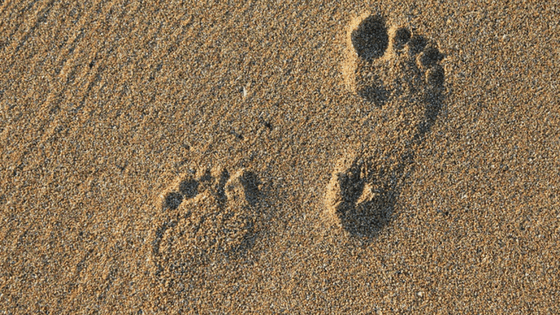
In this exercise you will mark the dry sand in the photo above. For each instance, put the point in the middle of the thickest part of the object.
(264, 157)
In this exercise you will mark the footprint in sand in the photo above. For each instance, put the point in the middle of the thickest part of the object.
(400, 73)
(204, 220)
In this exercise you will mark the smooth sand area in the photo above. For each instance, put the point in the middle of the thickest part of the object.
(297, 157)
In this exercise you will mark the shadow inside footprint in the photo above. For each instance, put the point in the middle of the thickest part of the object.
(251, 184)
(362, 196)
(370, 38)
(369, 217)
(370, 41)
(188, 188)
(206, 219)
(399, 72)
(374, 92)
(390, 61)
(434, 104)
(172, 200)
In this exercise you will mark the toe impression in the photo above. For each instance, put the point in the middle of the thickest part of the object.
(370, 38)
(399, 37)
(429, 57)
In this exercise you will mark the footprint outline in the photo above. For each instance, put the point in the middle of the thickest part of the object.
(215, 201)
(401, 76)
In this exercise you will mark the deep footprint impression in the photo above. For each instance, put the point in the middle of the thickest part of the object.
(400, 73)
(204, 220)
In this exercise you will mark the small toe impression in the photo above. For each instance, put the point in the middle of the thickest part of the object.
(172, 200)
(417, 44)
(399, 38)
(370, 39)
(189, 188)
(429, 57)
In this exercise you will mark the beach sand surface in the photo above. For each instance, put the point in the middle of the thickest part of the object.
(349, 157)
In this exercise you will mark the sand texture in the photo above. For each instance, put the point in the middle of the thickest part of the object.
(294, 157)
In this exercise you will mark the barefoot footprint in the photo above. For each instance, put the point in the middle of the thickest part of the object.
(400, 73)
(204, 220)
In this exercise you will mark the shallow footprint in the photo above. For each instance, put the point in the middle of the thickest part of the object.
(205, 220)
(400, 73)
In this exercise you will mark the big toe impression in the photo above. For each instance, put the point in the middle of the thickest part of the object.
(370, 38)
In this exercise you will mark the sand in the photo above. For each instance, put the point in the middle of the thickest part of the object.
(353, 157)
